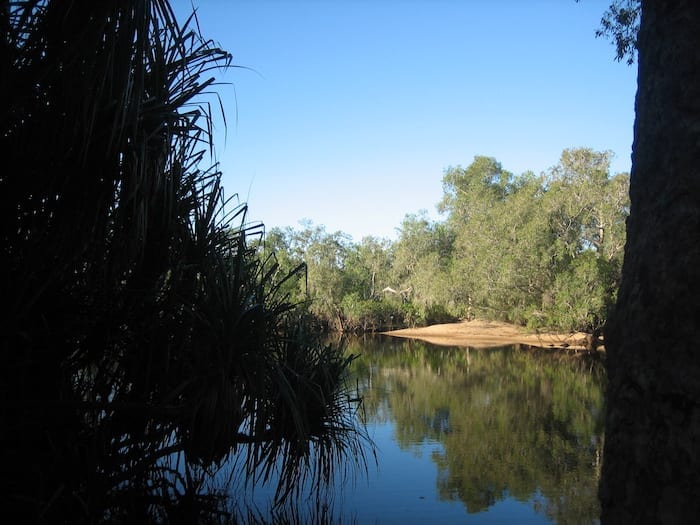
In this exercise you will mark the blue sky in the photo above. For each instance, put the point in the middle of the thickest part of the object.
(348, 112)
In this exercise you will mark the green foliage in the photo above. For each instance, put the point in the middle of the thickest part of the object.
(368, 315)
(423, 255)
(410, 314)
(145, 341)
(620, 23)
(344, 281)
(538, 250)
(581, 297)
(501, 254)
(469, 191)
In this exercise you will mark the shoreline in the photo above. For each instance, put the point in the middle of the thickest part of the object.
(485, 334)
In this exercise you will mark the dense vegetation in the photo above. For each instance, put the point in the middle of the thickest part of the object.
(539, 250)
(143, 340)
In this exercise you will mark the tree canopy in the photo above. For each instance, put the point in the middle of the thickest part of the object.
(542, 250)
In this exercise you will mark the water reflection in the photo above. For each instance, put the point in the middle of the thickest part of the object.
(503, 435)
(507, 424)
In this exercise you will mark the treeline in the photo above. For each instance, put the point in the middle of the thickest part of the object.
(538, 250)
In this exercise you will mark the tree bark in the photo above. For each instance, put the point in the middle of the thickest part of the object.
(651, 471)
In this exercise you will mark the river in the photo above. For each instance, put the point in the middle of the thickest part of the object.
(502, 435)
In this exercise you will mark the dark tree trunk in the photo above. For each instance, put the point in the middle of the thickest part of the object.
(651, 472)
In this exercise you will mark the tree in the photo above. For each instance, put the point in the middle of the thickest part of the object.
(143, 343)
(370, 262)
(367, 268)
(621, 23)
(651, 470)
(587, 209)
(538, 250)
(422, 259)
(470, 191)
(290, 274)
(325, 259)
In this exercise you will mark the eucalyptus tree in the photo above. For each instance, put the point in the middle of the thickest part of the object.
(422, 258)
(470, 191)
(589, 206)
(651, 469)
(587, 209)
(543, 250)
(501, 238)
(368, 275)
(370, 262)
(289, 272)
(620, 23)
(325, 257)
(143, 344)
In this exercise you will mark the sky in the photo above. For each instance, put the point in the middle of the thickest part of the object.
(347, 112)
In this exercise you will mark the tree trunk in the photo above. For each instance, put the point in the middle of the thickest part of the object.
(651, 470)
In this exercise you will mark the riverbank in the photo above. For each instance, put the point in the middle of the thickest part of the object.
(484, 334)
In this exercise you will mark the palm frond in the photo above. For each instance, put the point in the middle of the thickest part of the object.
(143, 330)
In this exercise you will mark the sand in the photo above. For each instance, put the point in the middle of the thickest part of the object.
(484, 334)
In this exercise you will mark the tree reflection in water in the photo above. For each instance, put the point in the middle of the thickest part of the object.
(512, 422)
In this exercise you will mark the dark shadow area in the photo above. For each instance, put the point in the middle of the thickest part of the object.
(144, 342)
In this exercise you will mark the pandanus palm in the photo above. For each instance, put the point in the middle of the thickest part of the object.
(140, 326)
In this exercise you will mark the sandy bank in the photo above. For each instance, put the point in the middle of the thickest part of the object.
(483, 334)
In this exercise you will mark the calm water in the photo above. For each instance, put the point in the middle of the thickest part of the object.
(505, 435)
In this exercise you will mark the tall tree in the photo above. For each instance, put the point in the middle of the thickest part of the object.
(651, 469)
(541, 250)
(421, 262)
